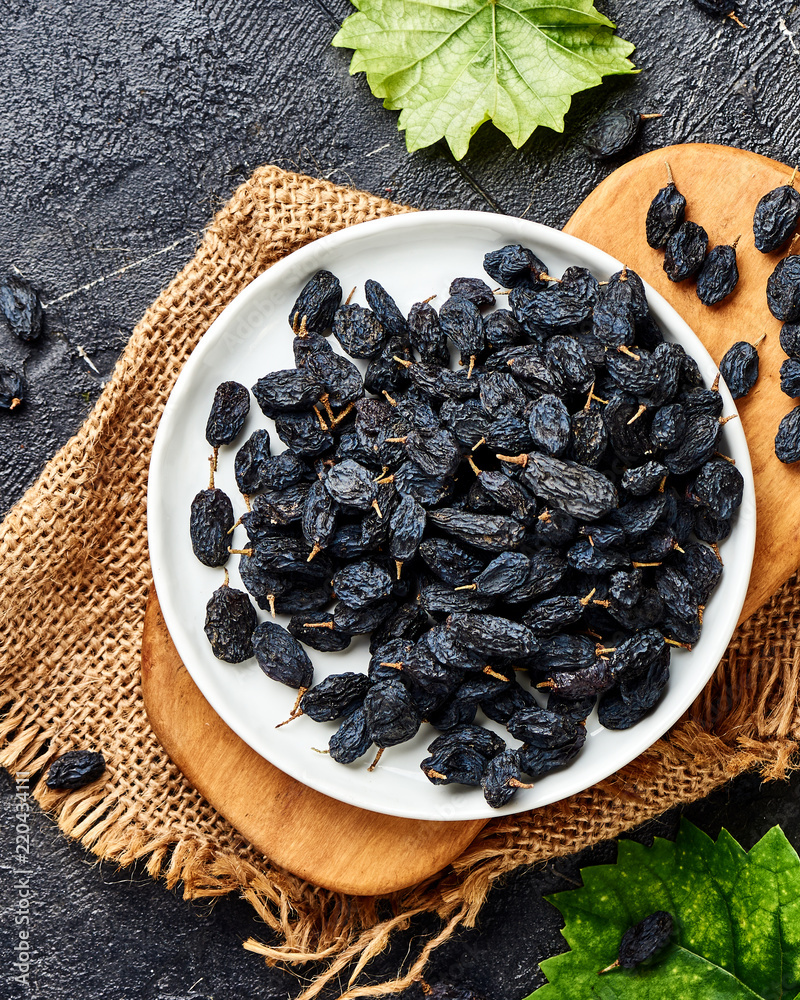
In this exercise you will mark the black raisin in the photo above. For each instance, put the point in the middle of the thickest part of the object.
(75, 769)
(252, 462)
(20, 305)
(317, 303)
(739, 368)
(776, 218)
(666, 213)
(12, 388)
(281, 656)
(209, 526)
(230, 623)
(612, 133)
(685, 251)
(718, 275)
(783, 290)
(787, 440)
(228, 413)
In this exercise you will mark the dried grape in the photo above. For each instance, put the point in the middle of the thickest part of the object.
(75, 769)
(685, 251)
(482, 523)
(718, 275)
(21, 307)
(12, 388)
(228, 413)
(612, 133)
(739, 368)
(776, 217)
(209, 526)
(666, 213)
(783, 290)
(230, 622)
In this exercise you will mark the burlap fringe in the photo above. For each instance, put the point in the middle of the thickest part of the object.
(80, 689)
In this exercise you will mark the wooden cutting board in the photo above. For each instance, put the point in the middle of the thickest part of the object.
(340, 847)
(722, 187)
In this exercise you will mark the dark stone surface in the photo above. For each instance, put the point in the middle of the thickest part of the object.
(122, 128)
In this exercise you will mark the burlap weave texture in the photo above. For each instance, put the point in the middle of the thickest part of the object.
(75, 574)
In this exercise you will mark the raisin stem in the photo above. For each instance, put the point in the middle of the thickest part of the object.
(659, 114)
(478, 444)
(15, 402)
(315, 550)
(467, 586)
(319, 625)
(471, 365)
(350, 296)
(436, 774)
(642, 409)
(398, 565)
(792, 178)
(602, 604)
(322, 423)
(736, 20)
(227, 580)
(674, 642)
(608, 968)
(715, 384)
(724, 420)
(337, 420)
(626, 350)
(376, 507)
(726, 457)
(670, 178)
(430, 298)
(642, 565)
(401, 361)
(325, 400)
(516, 783)
(586, 600)
(290, 719)
(515, 459)
(271, 602)
(378, 756)
(400, 440)
(760, 339)
(473, 466)
(212, 468)
(493, 673)
(240, 552)
(398, 665)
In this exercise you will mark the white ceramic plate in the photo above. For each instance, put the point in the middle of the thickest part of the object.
(414, 256)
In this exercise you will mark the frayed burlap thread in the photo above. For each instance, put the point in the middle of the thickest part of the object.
(74, 576)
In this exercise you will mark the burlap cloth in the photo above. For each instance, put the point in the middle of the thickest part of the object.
(75, 575)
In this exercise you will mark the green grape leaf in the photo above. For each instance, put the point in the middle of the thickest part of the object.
(736, 913)
(451, 65)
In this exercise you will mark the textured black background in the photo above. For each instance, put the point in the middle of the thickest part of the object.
(122, 127)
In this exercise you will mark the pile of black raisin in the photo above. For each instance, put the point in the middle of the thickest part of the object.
(686, 253)
(523, 535)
